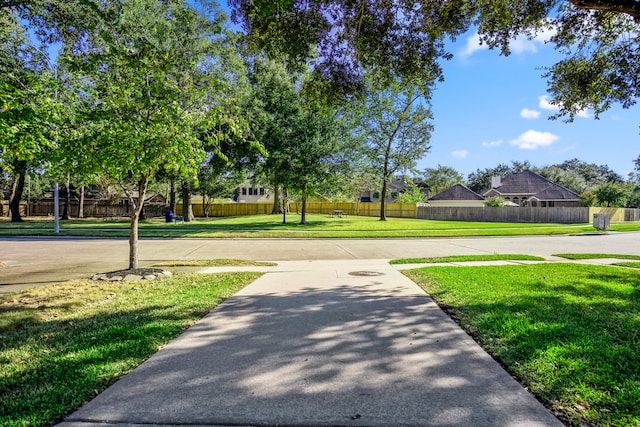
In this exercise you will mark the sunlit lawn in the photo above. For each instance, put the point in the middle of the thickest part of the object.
(61, 344)
(570, 333)
(317, 226)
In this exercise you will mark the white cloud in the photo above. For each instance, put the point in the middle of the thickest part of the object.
(529, 114)
(472, 46)
(584, 114)
(532, 140)
(496, 143)
(459, 154)
(545, 104)
(519, 45)
(567, 149)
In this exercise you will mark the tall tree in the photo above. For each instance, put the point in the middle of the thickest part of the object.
(634, 176)
(28, 109)
(569, 179)
(275, 110)
(311, 156)
(395, 124)
(148, 82)
(441, 178)
(600, 40)
(614, 194)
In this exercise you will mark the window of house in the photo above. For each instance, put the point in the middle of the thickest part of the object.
(551, 204)
(262, 191)
(244, 191)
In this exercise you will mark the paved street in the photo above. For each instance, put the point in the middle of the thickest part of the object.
(35, 261)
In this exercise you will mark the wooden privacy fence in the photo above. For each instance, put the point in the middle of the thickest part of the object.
(505, 214)
(394, 210)
(525, 214)
(617, 214)
(91, 209)
(228, 209)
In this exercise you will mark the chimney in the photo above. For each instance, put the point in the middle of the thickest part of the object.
(495, 182)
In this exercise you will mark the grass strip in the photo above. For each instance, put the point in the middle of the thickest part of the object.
(218, 262)
(62, 344)
(318, 226)
(627, 264)
(569, 332)
(466, 258)
(597, 256)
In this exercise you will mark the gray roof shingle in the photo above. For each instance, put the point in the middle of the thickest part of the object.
(531, 184)
(457, 192)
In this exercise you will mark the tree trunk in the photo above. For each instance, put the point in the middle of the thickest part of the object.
(277, 207)
(172, 195)
(18, 189)
(135, 220)
(205, 206)
(187, 209)
(67, 199)
(81, 203)
(284, 205)
(303, 219)
(383, 201)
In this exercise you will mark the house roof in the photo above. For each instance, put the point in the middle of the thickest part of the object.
(457, 192)
(527, 183)
(399, 183)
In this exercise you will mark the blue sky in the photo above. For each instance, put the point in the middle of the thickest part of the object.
(493, 109)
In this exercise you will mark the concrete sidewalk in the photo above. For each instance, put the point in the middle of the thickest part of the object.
(320, 343)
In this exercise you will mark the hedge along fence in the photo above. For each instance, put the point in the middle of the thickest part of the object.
(394, 210)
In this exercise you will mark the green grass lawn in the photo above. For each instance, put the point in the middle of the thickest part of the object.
(62, 344)
(269, 226)
(597, 256)
(467, 258)
(628, 264)
(570, 333)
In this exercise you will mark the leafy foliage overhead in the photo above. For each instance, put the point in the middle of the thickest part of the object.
(407, 37)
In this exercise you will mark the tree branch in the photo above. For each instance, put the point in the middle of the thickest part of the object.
(630, 7)
(11, 3)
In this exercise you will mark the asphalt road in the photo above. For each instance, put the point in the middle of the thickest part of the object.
(36, 261)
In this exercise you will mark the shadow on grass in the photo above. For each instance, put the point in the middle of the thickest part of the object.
(318, 357)
(569, 333)
(51, 365)
(66, 373)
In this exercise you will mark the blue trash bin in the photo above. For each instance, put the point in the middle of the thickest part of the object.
(168, 215)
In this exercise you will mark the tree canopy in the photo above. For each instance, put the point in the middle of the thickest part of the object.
(599, 38)
(147, 94)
